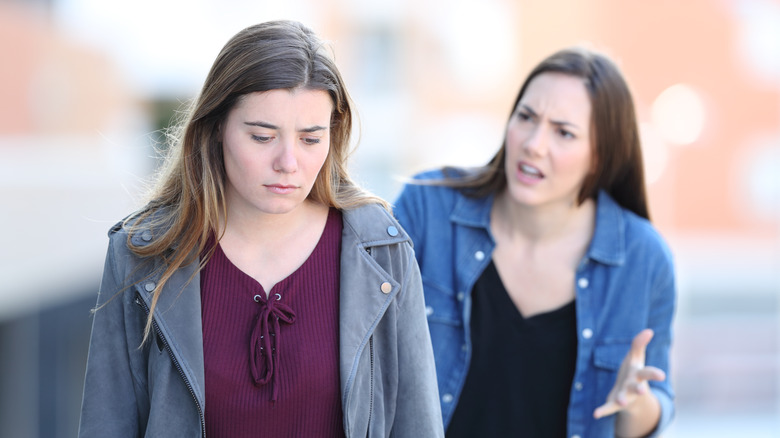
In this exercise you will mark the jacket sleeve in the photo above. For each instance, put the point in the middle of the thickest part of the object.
(109, 405)
(408, 210)
(662, 308)
(418, 395)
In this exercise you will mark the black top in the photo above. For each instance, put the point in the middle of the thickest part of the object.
(521, 369)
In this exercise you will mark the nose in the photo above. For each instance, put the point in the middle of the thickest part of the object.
(535, 143)
(285, 160)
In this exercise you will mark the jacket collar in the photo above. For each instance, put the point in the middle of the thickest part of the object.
(371, 225)
(367, 288)
(608, 245)
(472, 212)
(178, 311)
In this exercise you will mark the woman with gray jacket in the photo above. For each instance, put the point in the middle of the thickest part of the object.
(260, 292)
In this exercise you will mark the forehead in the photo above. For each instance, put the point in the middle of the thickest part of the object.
(303, 102)
(558, 94)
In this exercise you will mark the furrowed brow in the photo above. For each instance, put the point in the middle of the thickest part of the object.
(564, 123)
(529, 110)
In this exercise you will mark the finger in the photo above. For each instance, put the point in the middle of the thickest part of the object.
(639, 345)
(606, 409)
(651, 373)
(638, 388)
(622, 397)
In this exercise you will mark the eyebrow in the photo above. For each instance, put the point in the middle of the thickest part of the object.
(266, 125)
(554, 122)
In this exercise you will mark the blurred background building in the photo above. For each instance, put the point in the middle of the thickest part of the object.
(85, 85)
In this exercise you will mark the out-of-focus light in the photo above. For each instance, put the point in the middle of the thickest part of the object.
(171, 51)
(678, 114)
(655, 152)
(760, 180)
(489, 24)
(758, 39)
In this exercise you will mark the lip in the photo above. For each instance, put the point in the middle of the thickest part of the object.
(524, 176)
(280, 189)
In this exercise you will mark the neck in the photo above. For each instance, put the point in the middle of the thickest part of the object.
(266, 229)
(536, 224)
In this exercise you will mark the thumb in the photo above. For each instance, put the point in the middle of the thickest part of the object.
(639, 345)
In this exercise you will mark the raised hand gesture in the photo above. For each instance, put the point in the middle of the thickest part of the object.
(631, 397)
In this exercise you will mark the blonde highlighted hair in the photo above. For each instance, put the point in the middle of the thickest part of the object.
(188, 198)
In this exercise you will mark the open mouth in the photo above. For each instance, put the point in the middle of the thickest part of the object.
(531, 171)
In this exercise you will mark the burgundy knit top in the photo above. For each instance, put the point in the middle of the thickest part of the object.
(272, 365)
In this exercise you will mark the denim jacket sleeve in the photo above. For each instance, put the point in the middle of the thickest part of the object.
(660, 316)
(630, 286)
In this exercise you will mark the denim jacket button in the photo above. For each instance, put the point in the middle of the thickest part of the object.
(479, 255)
(447, 398)
(460, 296)
(386, 288)
(428, 310)
(575, 436)
(149, 286)
(582, 282)
(587, 333)
(578, 386)
(392, 231)
(146, 236)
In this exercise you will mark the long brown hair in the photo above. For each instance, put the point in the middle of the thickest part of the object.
(615, 135)
(188, 200)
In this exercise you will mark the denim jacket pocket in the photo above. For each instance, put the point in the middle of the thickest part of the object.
(610, 355)
(440, 304)
(607, 358)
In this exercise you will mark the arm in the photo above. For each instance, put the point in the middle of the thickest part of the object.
(418, 410)
(408, 209)
(638, 410)
(109, 407)
(642, 396)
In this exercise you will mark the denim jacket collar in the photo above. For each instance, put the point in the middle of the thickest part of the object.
(473, 212)
(608, 245)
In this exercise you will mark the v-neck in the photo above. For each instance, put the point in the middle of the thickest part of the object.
(502, 294)
(285, 282)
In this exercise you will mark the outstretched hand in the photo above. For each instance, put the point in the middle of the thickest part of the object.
(632, 378)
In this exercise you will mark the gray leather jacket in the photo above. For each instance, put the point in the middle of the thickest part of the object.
(388, 379)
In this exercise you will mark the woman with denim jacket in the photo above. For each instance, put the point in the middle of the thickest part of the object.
(549, 294)
(261, 292)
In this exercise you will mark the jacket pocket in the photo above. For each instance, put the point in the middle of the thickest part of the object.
(441, 305)
(610, 355)
(607, 358)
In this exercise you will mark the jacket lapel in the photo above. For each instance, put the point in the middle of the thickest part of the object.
(178, 318)
(366, 289)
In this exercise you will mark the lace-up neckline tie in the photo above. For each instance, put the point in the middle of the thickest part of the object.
(264, 344)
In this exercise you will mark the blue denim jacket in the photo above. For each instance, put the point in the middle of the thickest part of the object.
(625, 283)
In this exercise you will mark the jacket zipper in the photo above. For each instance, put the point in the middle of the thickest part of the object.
(371, 386)
(143, 305)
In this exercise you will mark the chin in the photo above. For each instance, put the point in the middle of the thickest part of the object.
(524, 196)
(279, 207)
